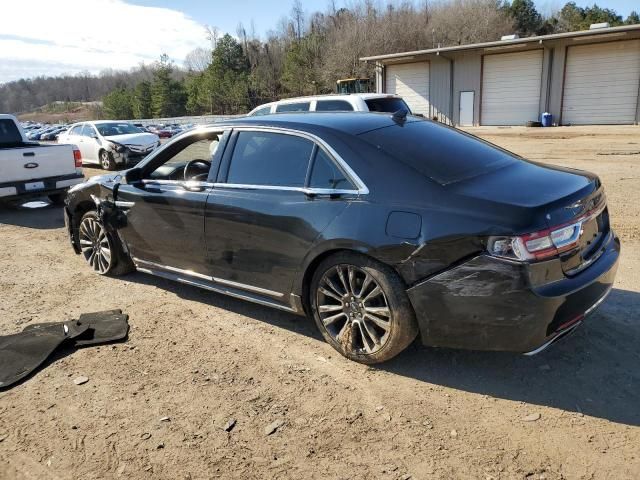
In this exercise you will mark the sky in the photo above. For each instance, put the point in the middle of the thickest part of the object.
(43, 37)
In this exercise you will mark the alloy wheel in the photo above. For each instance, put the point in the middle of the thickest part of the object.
(94, 245)
(105, 161)
(354, 309)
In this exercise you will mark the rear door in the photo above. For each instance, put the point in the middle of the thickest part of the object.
(277, 191)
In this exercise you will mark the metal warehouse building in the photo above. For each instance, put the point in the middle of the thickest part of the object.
(585, 77)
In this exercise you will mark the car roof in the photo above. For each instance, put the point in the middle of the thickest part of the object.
(329, 96)
(353, 123)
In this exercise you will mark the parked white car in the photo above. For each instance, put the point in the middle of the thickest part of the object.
(354, 102)
(111, 144)
(29, 169)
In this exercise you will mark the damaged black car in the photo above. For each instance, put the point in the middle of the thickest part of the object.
(380, 227)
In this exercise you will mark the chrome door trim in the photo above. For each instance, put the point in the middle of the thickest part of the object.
(222, 281)
(353, 176)
(306, 190)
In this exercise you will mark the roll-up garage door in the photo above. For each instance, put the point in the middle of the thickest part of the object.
(601, 83)
(511, 88)
(411, 82)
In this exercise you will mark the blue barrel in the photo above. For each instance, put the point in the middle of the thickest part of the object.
(546, 119)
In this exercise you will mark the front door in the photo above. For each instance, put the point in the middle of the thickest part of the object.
(165, 209)
(269, 207)
(90, 145)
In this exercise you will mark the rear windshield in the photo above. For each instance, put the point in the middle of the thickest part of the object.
(9, 133)
(444, 154)
(293, 107)
(386, 104)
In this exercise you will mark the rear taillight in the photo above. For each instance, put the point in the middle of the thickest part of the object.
(77, 156)
(538, 245)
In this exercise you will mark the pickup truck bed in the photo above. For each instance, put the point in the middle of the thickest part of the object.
(29, 169)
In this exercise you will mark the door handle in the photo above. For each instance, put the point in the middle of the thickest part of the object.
(192, 186)
(123, 204)
(29, 154)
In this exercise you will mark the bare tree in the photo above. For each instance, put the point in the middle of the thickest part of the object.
(198, 59)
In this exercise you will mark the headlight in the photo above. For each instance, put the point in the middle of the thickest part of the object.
(117, 147)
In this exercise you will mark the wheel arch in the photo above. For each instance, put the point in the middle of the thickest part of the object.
(75, 215)
(317, 256)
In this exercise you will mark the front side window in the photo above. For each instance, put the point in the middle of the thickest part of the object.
(333, 106)
(267, 158)
(198, 152)
(77, 130)
(293, 107)
(88, 130)
(326, 174)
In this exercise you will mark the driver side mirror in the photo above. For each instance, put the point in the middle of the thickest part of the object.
(133, 175)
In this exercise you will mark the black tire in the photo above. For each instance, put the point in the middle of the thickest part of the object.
(57, 198)
(106, 160)
(353, 333)
(117, 262)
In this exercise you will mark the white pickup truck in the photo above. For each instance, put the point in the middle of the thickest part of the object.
(29, 169)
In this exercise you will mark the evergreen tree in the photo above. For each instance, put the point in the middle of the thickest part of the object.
(633, 18)
(168, 97)
(225, 82)
(528, 20)
(118, 104)
(142, 100)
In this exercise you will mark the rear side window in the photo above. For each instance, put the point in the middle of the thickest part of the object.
(326, 174)
(293, 107)
(441, 153)
(266, 158)
(9, 133)
(386, 104)
(333, 106)
(262, 111)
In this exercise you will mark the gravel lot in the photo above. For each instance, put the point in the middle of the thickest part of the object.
(157, 406)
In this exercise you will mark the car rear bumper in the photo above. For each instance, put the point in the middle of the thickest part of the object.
(491, 304)
(44, 186)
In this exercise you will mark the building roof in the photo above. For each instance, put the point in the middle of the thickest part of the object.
(600, 32)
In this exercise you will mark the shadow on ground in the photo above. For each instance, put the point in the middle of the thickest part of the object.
(38, 213)
(595, 371)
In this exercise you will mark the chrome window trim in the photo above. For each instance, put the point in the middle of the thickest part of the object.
(305, 190)
(180, 183)
(221, 281)
(361, 188)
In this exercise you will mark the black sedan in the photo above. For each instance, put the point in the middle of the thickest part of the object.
(381, 227)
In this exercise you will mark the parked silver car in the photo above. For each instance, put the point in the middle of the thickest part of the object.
(111, 144)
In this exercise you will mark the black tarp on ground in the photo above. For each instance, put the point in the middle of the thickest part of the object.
(22, 353)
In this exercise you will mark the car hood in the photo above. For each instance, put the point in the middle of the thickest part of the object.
(137, 139)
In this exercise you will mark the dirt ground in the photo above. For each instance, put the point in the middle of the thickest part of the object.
(157, 405)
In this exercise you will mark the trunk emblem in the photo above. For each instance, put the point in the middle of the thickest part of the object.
(31, 165)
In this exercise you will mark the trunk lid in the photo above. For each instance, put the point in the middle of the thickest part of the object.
(549, 197)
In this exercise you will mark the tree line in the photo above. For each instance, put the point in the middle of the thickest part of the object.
(304, 54)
